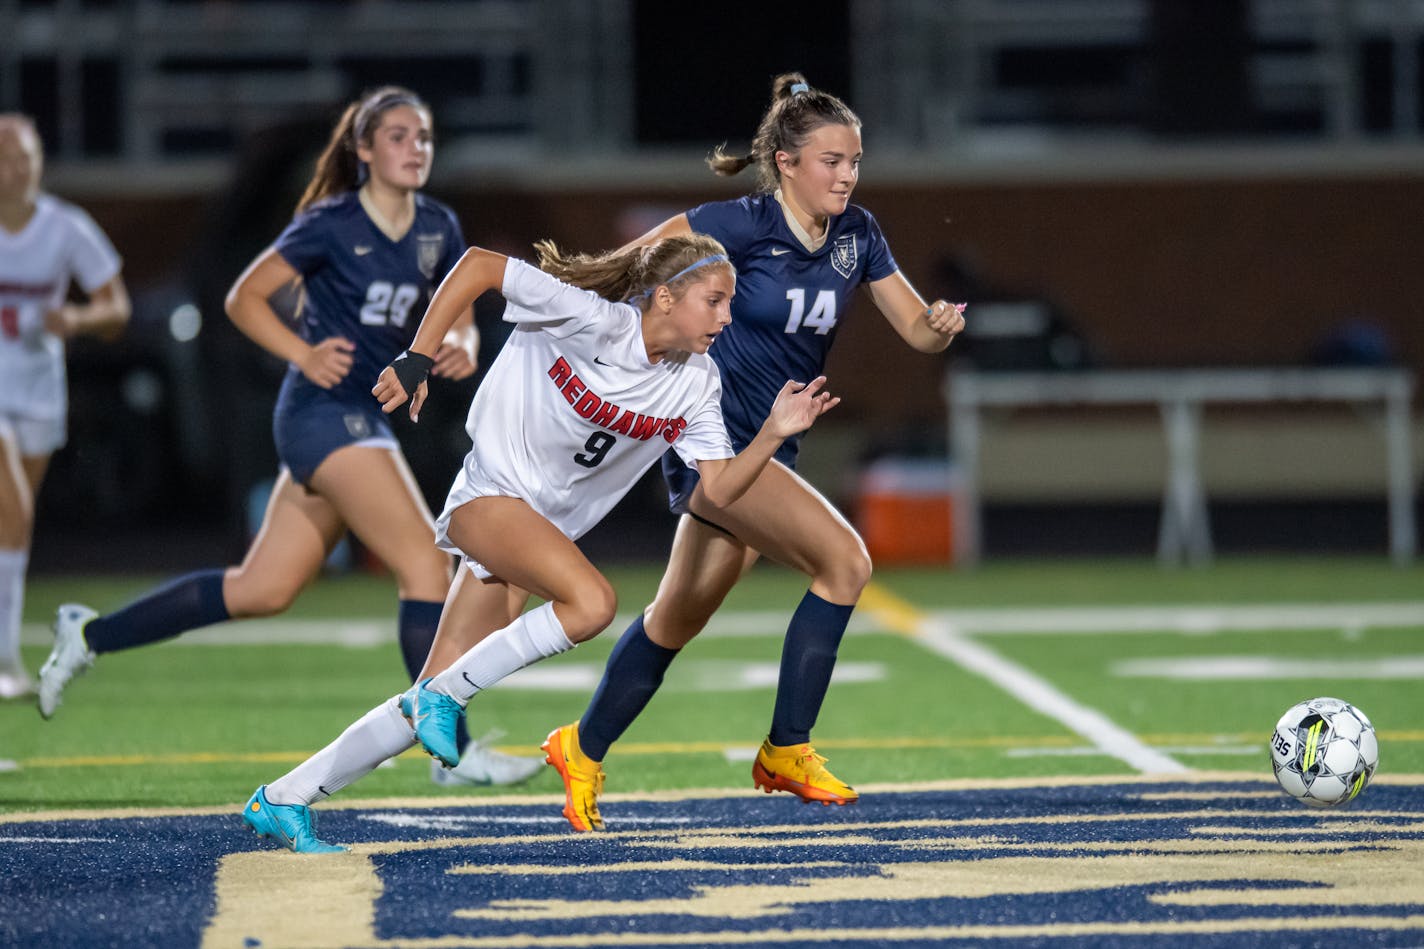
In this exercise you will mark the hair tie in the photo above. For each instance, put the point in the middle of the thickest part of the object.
(799, 87)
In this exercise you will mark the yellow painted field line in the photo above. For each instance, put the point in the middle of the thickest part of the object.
(897, 615)
(683, 748)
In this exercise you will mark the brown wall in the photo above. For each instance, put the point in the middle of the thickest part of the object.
(1219, 272)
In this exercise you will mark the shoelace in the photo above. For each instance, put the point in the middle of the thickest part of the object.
(809, 760)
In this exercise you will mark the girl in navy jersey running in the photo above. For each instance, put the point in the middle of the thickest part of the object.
(584, 397)
(369, 250)
(45, 244)
(801, 250)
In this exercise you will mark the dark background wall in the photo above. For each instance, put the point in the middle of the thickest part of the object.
(1245, 271)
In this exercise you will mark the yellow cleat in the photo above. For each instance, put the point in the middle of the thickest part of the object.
(798, 769)
(583, 777)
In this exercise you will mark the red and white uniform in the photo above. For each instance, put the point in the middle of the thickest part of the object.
(59, 244)
(572, 413)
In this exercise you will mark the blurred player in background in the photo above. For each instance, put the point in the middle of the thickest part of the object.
(369, 250)
(585, 396)
(801, 250)
(45, 243)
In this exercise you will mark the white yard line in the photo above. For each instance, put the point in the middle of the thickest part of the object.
(1186, 619)
(1042, 696)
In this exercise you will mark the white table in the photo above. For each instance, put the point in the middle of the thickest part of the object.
(1185, 533)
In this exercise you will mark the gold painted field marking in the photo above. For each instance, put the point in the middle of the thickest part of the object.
(262, 895)
(1389, 874)
(285, 899)
(635, 866)
(1245, 784)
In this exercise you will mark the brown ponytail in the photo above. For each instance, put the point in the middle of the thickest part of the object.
(629, 274)
(796, 111)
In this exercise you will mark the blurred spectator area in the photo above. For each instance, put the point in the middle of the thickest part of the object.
(1173, 184)
(161, 80)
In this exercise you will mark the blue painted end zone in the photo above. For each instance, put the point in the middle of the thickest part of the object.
(1112, 865)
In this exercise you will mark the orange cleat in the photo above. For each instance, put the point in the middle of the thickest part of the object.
(583, 777)
(798, 769)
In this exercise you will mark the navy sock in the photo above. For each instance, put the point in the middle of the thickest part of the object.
(418, 622)
(807, 659)
(634, 672)
(189, 602)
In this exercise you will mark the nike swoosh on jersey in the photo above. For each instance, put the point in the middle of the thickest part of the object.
(778, 251)
(362, 250)
(602, 363)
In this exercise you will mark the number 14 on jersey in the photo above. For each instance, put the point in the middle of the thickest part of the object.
(822, 317)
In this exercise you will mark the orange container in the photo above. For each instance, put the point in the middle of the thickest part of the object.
(905, 510)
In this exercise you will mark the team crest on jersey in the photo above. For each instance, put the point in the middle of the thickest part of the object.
(357, 425)
(430, 247)
(843, 255)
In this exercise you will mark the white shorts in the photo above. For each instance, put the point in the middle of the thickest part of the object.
(470, 483)
(33, 437)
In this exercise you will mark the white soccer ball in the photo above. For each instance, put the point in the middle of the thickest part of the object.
(1324, 751)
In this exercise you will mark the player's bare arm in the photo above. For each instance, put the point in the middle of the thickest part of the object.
(477, 271)
(458, 355)
(796, 409)
(929, 328)
(104, 314)
(673, 227)
(325, 363)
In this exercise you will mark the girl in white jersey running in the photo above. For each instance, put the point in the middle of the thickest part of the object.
(45, 243)
(584, 397)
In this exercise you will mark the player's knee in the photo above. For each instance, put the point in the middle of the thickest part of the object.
(13, 536)
(680, 619)
(16, 521)
(425, 576)
(590, 610)
(848, 573)
(249, 599)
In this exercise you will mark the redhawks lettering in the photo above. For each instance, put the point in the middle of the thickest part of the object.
(28, 289)
(588, 404)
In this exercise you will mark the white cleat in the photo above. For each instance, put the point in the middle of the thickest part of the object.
(481, 764)
(69, 657)
(15, 682)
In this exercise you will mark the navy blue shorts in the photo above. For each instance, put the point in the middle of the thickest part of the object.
(308, 425)
(682, 480)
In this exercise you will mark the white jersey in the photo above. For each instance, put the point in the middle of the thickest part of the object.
(572, 413)
(59, 244)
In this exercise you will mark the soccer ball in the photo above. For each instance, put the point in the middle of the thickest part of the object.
(1324, 751)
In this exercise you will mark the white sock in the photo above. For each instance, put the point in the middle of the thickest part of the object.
(12, 598)
(381, 733)
(536, 635)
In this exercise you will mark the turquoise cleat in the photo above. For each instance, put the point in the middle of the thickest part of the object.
(293, 824)
(434, 716)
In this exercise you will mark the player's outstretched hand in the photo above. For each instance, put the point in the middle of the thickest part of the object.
(404, 376)
(797, 406)
(328, 362)
(946, 318)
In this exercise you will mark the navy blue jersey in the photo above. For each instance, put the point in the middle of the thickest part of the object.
(789, 301)
(360, 284)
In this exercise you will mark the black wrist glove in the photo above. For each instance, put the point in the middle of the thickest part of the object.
(411, 370)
